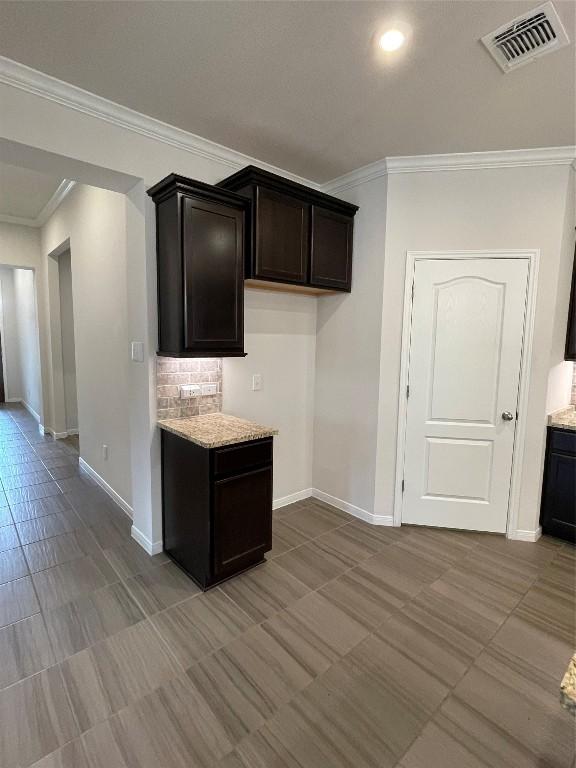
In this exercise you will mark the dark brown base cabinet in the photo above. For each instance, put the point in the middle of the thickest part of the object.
(217, 506)
(558, 510)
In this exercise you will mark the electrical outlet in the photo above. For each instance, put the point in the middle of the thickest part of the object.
(105, 452)
(209, 389)
(256, 382)
(189, 390)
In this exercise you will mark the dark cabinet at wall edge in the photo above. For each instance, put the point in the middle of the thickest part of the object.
(558, 507)
(570, 352)
(299, 236)
(202, 235)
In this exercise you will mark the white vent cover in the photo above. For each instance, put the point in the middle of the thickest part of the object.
(527, 37)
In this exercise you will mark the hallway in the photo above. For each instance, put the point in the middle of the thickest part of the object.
(353, 647)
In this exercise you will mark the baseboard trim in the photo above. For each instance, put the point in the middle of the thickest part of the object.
(151, 547)
(63, 435)
(124, 506)
(31, 410)
(519, 535)
(352, 509)
(26, 405)
(283, 501)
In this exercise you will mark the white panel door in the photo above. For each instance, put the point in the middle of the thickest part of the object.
(465, 353)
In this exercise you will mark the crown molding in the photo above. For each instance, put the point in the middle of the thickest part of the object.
(25, 78)
(62, 190)
(355, 178)
(59, 194)
(19, 221)
(468, 161)
(462, 161)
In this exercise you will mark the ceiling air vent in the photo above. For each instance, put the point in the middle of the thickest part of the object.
(527, 37)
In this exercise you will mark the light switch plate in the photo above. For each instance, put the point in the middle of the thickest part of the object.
(189, 390)
(138, 351)
(209, 389)
(256, 382)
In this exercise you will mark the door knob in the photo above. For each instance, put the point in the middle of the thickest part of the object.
(507, 416)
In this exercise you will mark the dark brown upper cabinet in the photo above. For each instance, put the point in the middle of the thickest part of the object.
(300, 237)
(570, 352)
(202, 237)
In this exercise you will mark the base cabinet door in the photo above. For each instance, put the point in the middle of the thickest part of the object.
(558, 513)
(241, 519)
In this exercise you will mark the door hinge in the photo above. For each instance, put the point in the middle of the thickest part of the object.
(412, 289)
(402, 485)
(407, 391)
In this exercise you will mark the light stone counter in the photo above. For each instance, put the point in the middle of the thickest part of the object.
(565, 419)
(216, 429)
(568, 687)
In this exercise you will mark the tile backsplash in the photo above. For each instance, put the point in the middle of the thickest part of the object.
(172, 373)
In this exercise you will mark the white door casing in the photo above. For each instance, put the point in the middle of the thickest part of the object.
(465, 355)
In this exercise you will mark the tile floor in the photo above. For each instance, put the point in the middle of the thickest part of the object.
(352, 647)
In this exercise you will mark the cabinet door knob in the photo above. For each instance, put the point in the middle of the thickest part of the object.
(507, 416)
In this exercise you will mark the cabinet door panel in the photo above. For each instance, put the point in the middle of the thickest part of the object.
(331, 249)
(242, 520)
(213, 265)
(559, 507)
(282, 237)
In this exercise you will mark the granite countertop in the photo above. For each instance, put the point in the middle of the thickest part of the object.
(568, 687)
(565, 419)
(216, 429)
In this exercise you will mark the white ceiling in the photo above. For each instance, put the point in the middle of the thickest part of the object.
(24, 193)
(298, 84)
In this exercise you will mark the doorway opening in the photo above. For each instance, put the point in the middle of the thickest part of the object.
(62, 340)
(20, 379)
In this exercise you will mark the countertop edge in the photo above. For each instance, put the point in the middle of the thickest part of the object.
(262, 433)
(565, 418)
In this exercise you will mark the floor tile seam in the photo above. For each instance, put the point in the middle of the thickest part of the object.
(317, 679)
(54, 664)
(133, 596)
(56, 565)
(315, 538)
(297, 693)
(44, 538)
(13, 549)
(58, 664)
(44, 613)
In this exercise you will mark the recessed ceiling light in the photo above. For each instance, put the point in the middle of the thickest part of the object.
(392, 40)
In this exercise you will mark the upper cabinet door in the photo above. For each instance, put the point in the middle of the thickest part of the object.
(331, 249)
(213, 239)
(202, 237)
(282, 226)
